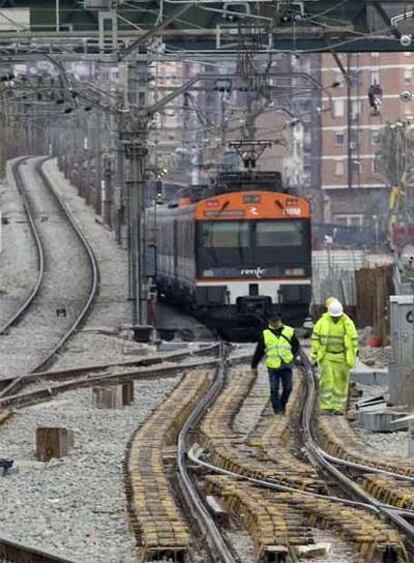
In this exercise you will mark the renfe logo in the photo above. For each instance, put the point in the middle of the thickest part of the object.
(258, 272)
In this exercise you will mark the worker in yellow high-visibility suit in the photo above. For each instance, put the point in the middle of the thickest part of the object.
(334, 349)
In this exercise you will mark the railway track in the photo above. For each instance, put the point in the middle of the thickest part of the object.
(45, 267)
(260, 479)
(17, 553)
(231, 459)
(279, 522)
(21, 311)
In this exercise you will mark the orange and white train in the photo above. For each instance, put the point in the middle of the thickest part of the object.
(237, 257)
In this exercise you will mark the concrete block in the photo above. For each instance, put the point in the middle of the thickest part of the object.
(401, 384)
(370, 376)
(114, 396)
(378, 420)
(411, 439)
(127, 393)
(172, 346)
(218, 509)
(107, 397)
(317, 550)
(53, 442)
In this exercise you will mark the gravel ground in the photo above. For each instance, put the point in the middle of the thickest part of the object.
(65, 283)
(74, 505)
(112, 310)
(18, 263)
(388, 444)
(375, 357)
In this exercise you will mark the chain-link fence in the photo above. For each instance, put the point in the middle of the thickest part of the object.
(334, 274)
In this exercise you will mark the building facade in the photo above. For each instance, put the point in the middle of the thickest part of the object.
(353, 192)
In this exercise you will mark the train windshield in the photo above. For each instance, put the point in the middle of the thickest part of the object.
(244, 234)
(278, 233)
(225, 234)
(227, 248)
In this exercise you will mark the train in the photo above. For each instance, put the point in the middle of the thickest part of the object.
(235, 253)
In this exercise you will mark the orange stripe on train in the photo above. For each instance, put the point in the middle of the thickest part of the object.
(252, 205)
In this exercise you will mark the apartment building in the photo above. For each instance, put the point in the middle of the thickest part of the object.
(353, 192)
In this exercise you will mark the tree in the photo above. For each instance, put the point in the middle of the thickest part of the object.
(396, 164)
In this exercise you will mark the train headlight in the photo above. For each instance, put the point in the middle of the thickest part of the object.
(294, 272)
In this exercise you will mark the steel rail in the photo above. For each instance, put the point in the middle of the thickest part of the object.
(67, 373)
(200, 513)
(12, 551)
(94, 283)
(267, 484)
(366, 467)
(270, 484)
(19, 314)
(93, 286)
(50, 391)
(319, 458)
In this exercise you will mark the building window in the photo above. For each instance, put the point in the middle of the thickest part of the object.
(354, 139)
(356, 76)
(375, 165)
(338, 108)
(349, 220)
(375, 77)
(340, 220)
(375, 137)
(339, 138)
(357, 166)
(356, 108)
(339, 168)
(356, 220)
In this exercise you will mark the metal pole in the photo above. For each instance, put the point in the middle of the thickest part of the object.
(135, 140)
(57, 15)
(349, 118)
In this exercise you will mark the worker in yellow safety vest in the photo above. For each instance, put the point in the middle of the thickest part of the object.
(279, 344)
(334, 349)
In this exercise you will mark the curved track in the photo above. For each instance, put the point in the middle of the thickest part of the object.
(215, 540)
(46, 265)
(350, 495)
(22, 310)
(324, 461)
(218, 544)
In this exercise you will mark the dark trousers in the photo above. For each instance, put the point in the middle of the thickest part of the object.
(275, 376)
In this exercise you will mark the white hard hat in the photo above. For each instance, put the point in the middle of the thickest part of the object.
(335, 308)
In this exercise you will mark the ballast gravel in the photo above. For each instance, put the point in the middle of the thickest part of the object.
(18, 264)
(375, 357)
(64, 284)
(111, 309)
(74, 505)
(388, 444)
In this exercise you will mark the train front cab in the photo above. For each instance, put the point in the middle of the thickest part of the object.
(253, 256)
